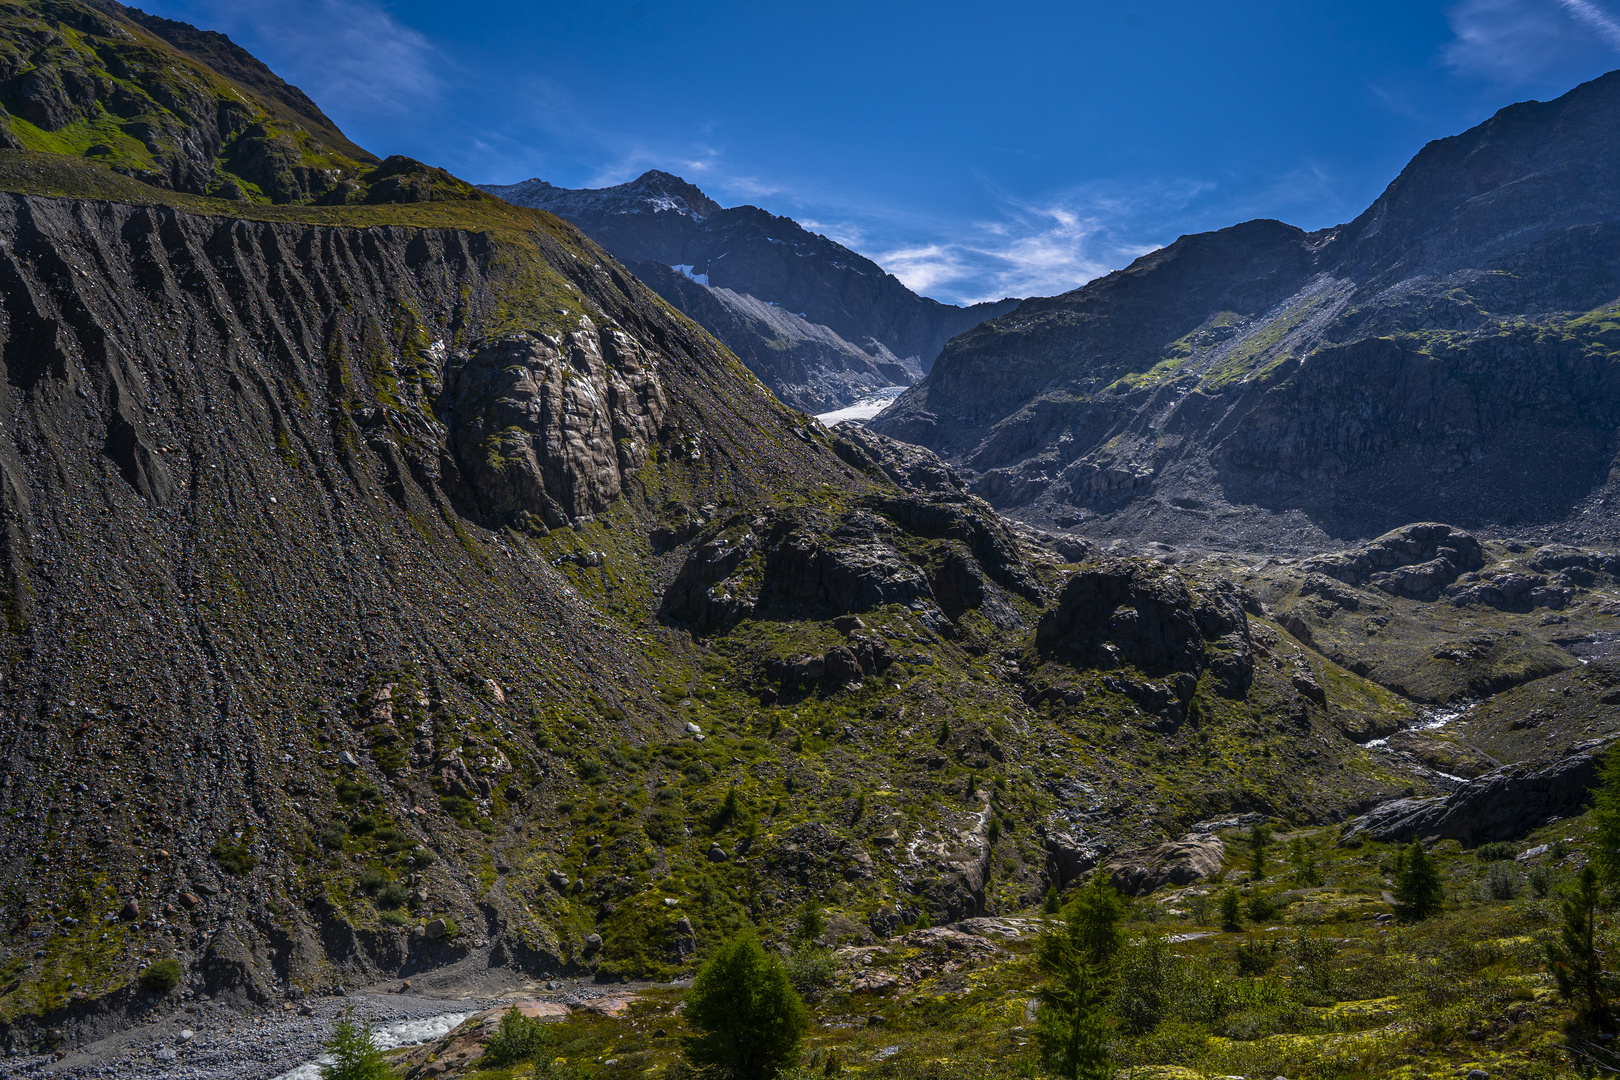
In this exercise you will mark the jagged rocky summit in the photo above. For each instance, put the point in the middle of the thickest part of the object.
(1448, 355)
(819, 324)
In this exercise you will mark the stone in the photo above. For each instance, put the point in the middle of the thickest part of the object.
(593, 945)
(558, 880)
(188, 900)
(611, 1006)
(186, 1035)
(130, 911)
(551, 427)
(717, 854)
(1194, 857)
(684, 926)
(435, 929)
(165, 1054)
(346, 758)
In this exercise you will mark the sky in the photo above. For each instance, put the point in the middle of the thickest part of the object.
(975, 150)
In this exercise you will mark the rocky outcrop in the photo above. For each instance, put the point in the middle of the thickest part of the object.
(548, 430)
(1503, 804)
(1194, 857)
(915, 469)
(840, 323)
(1415, 560)
(1442, 357)
(956, 555)
(1138, 613)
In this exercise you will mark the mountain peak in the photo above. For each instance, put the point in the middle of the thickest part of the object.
(654, 191)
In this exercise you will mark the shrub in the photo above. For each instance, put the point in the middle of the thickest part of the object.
(233, 857)
(332, 839)
(811, 923)
(1501, 881)
(1496, 851)
(371, 881)
(810, 969)
(393, 896)
(421, 856)
(518, 1038)
(749, 1018)
(1314, 956)
(1256, 956)
(1261, 906)
(1198, 906)
(354, 1055)
(1146, 974)
(161, 976)
(1052, 904)
(362, 824)
(1541, 881)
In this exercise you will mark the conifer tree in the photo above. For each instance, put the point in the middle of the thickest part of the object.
(355, 1055)
(1605, 818)
(1077, 955)
(1231, 911)
(1259, 842)
(749, 1018)
(1418, 891)
(1575, 961)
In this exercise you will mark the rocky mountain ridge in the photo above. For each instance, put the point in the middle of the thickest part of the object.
(819, 324)
(1447, 355)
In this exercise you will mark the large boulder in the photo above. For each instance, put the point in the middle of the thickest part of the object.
(1194, 857)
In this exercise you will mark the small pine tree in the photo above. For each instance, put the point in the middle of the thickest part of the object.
(1605, 818)
(1302, 868)
(1053, 903)
(1418, 892)
(1092, 920)
(749, 1018)
(1231, 911)
(1259, 842)
(354, 1055)
(811, 922)
(1575, 961)
(1077, 953)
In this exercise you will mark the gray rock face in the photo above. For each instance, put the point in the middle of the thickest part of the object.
(1503, 804)
(819, 324)
(548, 429)
(1431, 360)
(1114, 612)
(1179, 862)
(1415, 560)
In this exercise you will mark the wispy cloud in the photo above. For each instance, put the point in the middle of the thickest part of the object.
(1518, 41)
(1595, 19)
(1039, 247)
(351, 56)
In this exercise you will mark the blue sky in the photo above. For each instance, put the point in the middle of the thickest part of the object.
(976, 150)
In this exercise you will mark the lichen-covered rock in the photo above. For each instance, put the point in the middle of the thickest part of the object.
(1194, 857)
(547, 429)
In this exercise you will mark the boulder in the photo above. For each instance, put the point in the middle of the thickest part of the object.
(1194, 857)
